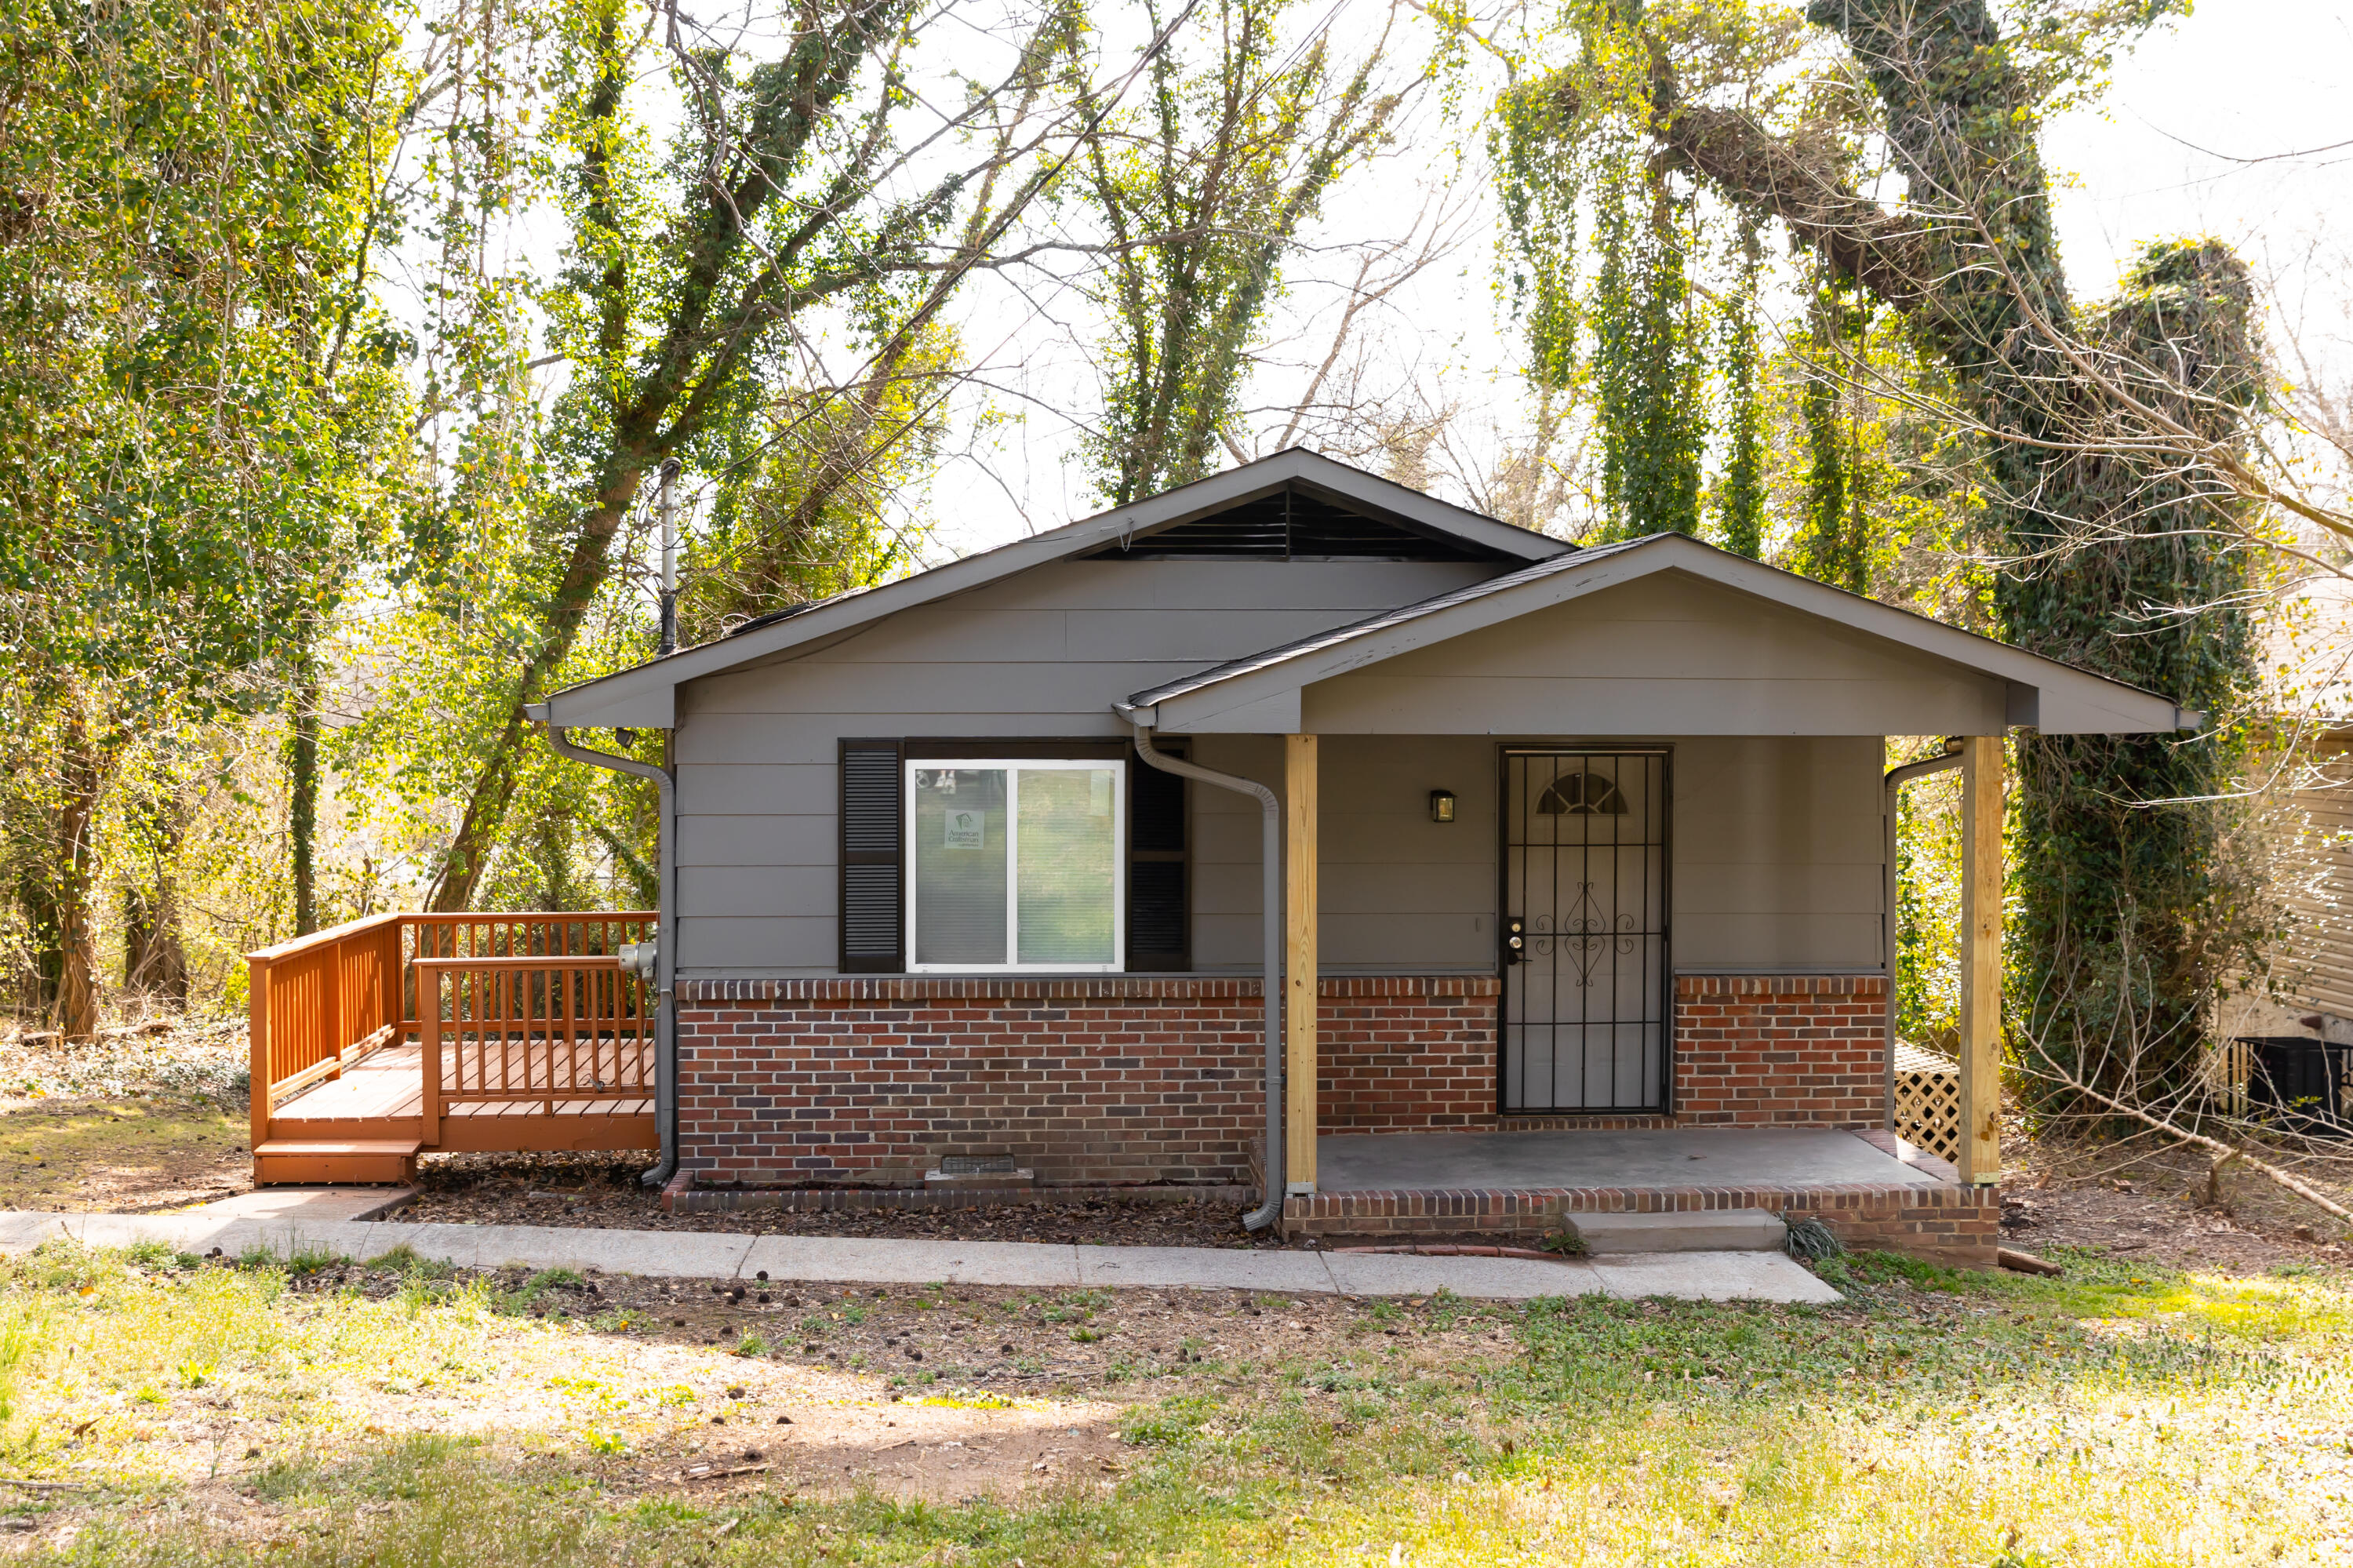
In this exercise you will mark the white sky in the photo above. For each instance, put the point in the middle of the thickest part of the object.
(2245, 81)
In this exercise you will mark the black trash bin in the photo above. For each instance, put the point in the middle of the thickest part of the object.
(2300, 1078)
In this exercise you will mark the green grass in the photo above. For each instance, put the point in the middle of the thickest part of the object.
(2120, 1416)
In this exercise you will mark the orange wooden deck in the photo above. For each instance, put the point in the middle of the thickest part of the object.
(544, 1045)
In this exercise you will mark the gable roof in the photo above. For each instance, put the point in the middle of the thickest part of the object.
(645, 696)
(2056, 697)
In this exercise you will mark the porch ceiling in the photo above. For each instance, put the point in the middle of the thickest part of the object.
(1676, 1157)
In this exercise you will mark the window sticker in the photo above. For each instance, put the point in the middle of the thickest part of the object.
(965, 826)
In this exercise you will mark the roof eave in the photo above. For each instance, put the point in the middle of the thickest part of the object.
(633, 692)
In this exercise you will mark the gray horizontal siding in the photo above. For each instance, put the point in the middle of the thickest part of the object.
(1043, 654)
(1668, 654)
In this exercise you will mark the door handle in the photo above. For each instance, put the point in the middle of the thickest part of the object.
(1515, 939)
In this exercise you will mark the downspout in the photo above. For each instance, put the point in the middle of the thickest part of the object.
(1896, 779)
(665, 936)
(1270, 855)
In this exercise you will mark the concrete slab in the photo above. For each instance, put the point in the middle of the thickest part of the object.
(1677, 1157)
(704, 1255)
(1721, 1230)
(672, 1255)
(845, 1260)
(22, 1232)
(1493, 1279)
(1712, 1277)
(307, 1203)
(1208, 1267)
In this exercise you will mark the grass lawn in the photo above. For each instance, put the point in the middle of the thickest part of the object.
(200, 1411)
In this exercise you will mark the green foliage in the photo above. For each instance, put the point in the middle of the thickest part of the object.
(2131, 915)
(1740, 497)
(1646, 357)
(1834, 542)
(200, 417)
(1200, 191)
(1540, 177)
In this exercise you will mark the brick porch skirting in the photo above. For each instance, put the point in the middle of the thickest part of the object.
(1948, 1224)
(1144, 1079)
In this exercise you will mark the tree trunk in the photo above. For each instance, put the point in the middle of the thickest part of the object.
(154, 958)
(495, 783)
(2125, 918)
(303, 784)
(77, 864)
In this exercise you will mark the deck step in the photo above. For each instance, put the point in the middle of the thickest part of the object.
(1722, 1230)
(355, 1159)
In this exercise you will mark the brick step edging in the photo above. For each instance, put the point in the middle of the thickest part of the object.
(1455, 1202)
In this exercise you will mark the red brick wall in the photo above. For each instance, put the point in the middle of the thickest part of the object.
(1133, 1079)
(1405, 1054)
(1121, 1079)
(1781, 1050)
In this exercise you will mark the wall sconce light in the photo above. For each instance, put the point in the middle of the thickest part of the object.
(1442, 805)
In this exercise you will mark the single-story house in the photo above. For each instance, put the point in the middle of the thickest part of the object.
(1548, 852)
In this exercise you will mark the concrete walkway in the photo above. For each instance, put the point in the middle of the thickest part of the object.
(295, 1226)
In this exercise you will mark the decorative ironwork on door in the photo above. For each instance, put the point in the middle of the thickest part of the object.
(1586, 987)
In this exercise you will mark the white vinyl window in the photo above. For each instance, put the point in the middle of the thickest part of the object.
(1016, 864)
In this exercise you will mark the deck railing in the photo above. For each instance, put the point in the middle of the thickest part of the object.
(514, 1031)
(318, 1003)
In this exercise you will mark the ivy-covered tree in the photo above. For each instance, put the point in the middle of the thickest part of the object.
(791, 196)
(1199, 192)
(2114, 446)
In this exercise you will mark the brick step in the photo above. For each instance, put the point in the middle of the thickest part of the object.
(1719, 1230)
(284, 1161)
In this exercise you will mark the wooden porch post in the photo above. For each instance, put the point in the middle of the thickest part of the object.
(1299, 904)
(257, 1005)
(1981, 883)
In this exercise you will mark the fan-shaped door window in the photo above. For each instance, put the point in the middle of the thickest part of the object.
(1582, 794)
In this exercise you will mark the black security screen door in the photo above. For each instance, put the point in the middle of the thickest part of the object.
(1585, 931)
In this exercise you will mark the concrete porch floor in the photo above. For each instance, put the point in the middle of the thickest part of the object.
(1871, 1189)
(1671, 1157)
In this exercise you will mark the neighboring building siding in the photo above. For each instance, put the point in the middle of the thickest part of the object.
(2317, 962)
(1045, 653)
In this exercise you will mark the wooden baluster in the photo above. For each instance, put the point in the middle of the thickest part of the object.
(570, 1043)
(332, 1010)
(428, 1007)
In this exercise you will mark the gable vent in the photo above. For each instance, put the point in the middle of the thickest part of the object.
(1291, 525)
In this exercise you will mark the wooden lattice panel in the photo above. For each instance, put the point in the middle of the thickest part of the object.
(1928, 1101)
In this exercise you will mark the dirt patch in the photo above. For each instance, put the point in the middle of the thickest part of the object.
(654, 1385)
(603, 1191)
(120, 1156)
(2141, 1199)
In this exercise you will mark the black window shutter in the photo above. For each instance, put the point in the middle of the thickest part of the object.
(1159, 928)
(873, 934)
